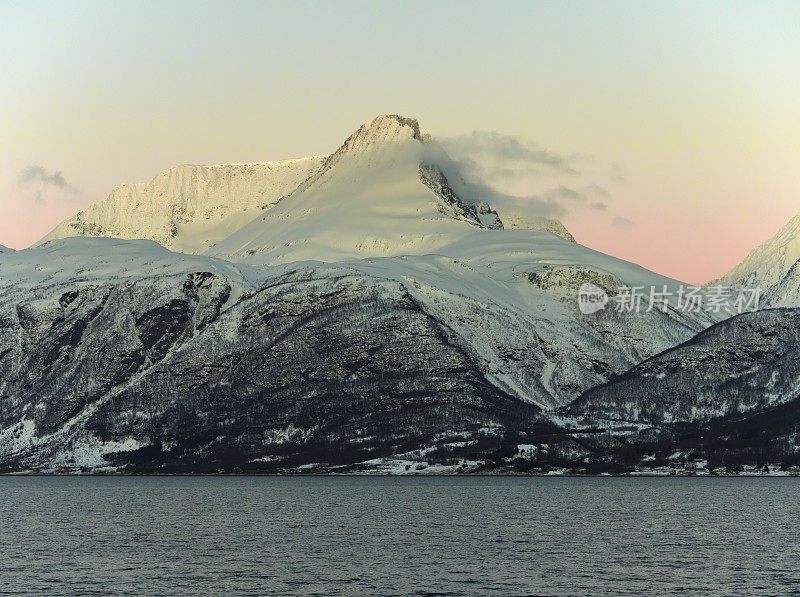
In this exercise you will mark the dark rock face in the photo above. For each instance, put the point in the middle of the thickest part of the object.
(161, 328)
(332, 370)
(433, 178)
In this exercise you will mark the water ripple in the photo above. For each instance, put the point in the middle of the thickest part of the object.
(398, 536)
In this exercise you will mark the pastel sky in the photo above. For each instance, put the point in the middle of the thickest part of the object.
(681, 118)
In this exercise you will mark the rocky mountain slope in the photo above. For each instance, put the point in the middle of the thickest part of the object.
(730, 395)
(108, 342)
(748, 363)
(785, 293)
(185, 363)
(772, 266)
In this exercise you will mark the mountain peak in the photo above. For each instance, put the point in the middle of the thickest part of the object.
(381, 131)
(386, 122)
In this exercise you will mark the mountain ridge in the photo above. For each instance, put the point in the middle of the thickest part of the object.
(772, 266)
(189, 207)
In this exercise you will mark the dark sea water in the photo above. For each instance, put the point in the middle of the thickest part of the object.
(399, 536)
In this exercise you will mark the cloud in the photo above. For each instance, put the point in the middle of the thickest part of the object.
(578, 198)
(530, 205)
(621, 222)
(548, 205)
(467, 178)
(514, 174)
(506, 156)
(565, 193)
(41, 179)
(555, 202)
(41, 175)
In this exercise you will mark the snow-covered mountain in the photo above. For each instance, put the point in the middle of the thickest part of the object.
(388, 190)
(189, 208)
(5, 249)
(772, 266)
(382, 193)
(390, 203)
(379, 307)
(121, 353)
